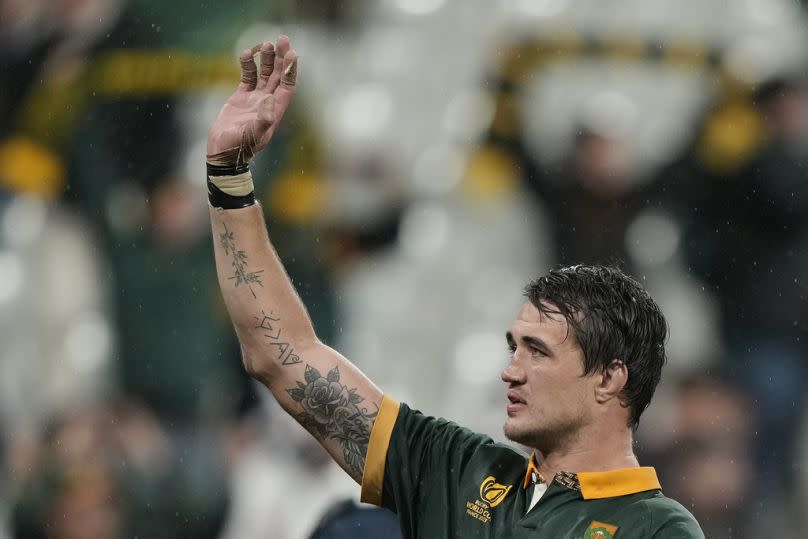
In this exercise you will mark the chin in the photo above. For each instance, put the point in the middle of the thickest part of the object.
(544, 439)
(517, 434)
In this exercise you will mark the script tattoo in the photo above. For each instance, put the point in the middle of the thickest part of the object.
(286, 353)
(241, 276)
(332, 411)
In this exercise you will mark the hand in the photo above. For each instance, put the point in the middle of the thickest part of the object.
(248, 119)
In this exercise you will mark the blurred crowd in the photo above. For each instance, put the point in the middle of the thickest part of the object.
(421, 178)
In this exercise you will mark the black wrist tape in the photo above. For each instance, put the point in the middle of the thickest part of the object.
(220, 199)
(227, 170)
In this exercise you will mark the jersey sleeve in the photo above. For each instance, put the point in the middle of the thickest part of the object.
(411, 455)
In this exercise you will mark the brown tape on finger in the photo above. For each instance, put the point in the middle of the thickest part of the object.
(267, 63)
(290, 74)
(249, 72)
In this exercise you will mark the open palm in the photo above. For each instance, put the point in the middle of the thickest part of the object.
(248, 118)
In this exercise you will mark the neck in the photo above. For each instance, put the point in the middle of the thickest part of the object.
(601, 448)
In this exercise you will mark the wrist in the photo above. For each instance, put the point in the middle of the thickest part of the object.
(218, 169)
(230, 186)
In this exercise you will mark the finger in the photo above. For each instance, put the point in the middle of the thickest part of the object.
(286, 89)
(249, 73)
(289, 77)
(267, 63)
(281, 49)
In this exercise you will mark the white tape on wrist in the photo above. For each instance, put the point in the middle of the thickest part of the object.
(237, 186)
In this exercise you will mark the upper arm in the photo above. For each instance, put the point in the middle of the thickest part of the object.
(331, 398)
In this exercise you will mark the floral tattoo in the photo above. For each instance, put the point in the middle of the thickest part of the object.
(332, 411)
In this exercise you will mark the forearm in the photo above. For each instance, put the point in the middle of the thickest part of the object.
(267, 313)
(315, 384)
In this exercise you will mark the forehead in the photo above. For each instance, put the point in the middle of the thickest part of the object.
(531, 321)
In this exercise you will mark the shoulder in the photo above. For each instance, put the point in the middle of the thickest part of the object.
(435, 430)
(434, 438)
(669, 518)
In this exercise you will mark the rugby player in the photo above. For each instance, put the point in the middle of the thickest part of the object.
(587, 350)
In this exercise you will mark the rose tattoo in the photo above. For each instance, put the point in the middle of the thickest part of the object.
(331, 411)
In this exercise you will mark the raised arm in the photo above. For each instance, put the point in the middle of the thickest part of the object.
(330, 397)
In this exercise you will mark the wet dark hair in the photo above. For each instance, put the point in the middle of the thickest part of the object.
(612, 317)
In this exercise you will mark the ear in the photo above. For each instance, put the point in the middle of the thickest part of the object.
(612, 381)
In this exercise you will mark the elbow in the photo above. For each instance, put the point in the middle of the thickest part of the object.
(262, 362)
(253, 365)
(258, 365)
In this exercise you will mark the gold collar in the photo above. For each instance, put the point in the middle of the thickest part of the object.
(597, 485)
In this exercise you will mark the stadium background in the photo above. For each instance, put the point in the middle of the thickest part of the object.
(439, 154)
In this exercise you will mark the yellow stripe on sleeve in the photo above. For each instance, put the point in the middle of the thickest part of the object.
(373, 476)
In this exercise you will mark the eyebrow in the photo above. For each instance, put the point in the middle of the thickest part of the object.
(534, 342)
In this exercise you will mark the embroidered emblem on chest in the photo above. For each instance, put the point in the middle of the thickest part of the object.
(491, 495)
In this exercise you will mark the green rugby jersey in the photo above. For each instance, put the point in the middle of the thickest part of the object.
(445, 481)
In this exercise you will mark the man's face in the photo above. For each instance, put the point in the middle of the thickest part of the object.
(549, 400)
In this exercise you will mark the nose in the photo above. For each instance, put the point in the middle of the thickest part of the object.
(513, 374)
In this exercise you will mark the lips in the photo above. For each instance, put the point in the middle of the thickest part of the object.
(515, 403)
(515, 398)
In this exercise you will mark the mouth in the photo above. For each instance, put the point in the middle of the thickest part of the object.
(515, 403)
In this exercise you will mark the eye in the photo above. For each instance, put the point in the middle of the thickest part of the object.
(511, 349)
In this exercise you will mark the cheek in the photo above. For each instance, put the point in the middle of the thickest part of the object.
(558, 391)
(546, 379)
(582, 396)
(547, 391)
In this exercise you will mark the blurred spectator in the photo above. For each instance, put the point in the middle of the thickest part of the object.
(57, 340)
(705, 463)
(109, 475)
(172, 353)
(26, 38)
(590, 200)
(747, 232)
